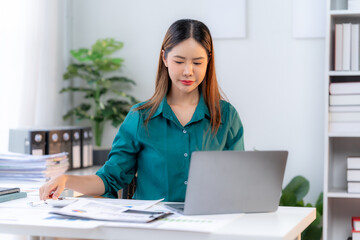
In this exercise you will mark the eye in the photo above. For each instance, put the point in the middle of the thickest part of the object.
(178, 62)
(197, 63)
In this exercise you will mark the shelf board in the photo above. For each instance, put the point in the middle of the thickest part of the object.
(344, 73)
(342, 193)
(344, 13)
(344, 134)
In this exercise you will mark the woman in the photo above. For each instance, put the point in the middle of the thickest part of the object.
(185, 114)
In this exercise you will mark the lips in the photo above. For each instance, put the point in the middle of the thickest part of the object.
(187, 82)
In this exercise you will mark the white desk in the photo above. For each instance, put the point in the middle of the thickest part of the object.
(287, 223)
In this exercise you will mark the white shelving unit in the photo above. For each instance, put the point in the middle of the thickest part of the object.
(339, 205)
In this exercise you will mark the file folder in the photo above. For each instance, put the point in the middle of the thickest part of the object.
(53, 141)
(87, 148)
(76, 148)
(65, 145)
(28, 141)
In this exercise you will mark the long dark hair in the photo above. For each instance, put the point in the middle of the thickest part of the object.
(179, 31)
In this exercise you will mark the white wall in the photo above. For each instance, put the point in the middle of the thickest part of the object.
(274, 81)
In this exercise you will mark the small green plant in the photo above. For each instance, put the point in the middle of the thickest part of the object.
(293, 194)
(104, 97)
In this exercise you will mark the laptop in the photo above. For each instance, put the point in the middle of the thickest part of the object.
(222, 182)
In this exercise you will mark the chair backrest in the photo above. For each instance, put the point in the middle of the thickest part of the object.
(129, 190)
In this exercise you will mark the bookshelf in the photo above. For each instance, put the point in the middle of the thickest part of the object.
(339, 205)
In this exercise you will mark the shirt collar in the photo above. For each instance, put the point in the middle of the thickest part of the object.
(201, 110)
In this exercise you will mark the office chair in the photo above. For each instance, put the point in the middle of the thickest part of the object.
(128, 191)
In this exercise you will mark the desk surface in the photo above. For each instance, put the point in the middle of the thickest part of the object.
(286, 223)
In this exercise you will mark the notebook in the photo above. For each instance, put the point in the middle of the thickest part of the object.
(233, 182)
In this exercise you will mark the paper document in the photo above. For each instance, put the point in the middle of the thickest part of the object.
(97, 210)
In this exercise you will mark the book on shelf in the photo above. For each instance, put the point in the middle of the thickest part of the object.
(355, 228)
(353, 175)
(355, 47)
(344, 127)
(344, 109)
(338, 47)
(345, 88)
(12, 196)
(346, 46)
(353, 187)
(353, 5)
(347, 100)
(344, 116)
(353, 162)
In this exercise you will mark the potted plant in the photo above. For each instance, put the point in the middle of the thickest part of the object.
(293, 194)
(102, 88)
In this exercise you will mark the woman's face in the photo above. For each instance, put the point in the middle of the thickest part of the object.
(186, 63)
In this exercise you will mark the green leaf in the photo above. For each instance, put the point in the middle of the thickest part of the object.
(117, 60)
(126, 96)
(80, 112)
(106, 64)
(299, 186)
(319, 204)
(81, 55)
(77, 89)
(312, 233)
(288, 199)
(92, 94)
(107, 46)
(121, 79)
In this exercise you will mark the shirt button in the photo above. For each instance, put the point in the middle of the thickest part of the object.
(185, 182)
(184, 131)
(185, 154)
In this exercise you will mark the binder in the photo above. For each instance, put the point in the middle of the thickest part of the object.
(65, 145)
(87, 148)
(76, 148)
(53, 141)
(28, 141)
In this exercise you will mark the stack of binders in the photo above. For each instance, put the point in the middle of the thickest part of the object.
(353, 174)
(76, 141)
(7, 194)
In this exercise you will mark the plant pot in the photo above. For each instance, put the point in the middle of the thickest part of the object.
(100, 155)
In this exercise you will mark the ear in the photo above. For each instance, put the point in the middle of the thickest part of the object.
(163, 58)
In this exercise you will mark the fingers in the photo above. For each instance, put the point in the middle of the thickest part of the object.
(52, 189)
(58, 191)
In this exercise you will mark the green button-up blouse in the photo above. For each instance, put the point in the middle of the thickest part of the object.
(160, 152)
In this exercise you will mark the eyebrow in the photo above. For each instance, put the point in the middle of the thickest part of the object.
(198, 58)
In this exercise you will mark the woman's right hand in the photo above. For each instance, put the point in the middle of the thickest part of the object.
(53, 188)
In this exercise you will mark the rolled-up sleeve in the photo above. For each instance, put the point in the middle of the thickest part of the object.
(120, 168)
(235, 137)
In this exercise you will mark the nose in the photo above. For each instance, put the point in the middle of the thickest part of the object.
(188, 69)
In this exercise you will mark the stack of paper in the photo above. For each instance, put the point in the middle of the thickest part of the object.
(14, 166)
